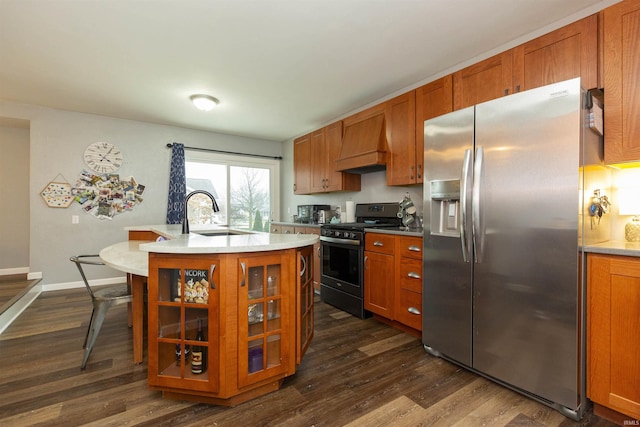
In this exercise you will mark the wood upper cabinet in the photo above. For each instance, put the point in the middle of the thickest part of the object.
(613, 343)
(404, 165)
(566, 53)
(302, 165)
(483, 81)
(314, 157)
(326, 144)
(432, 100)
(621, 76)
(563, 54)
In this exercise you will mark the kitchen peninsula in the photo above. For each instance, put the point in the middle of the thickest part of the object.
(230, 312)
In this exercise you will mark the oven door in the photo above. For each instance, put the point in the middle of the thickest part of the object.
(342, 262)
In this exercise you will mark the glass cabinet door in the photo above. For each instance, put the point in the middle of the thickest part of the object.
(183, 323)
(262, 324)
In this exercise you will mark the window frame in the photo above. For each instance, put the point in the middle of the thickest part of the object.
(243, 161)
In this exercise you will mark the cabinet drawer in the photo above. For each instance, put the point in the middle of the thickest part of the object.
(409, 309)
(411, 275)
(411, 247)
(287, 229)
(382, 243)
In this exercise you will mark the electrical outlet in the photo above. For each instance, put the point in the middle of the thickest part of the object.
(75, 219)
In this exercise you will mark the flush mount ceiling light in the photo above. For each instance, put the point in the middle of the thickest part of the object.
(204, 102)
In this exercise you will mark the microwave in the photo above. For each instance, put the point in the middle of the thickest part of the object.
(308, 214)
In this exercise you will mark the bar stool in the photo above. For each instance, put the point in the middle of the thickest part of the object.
(102, 299)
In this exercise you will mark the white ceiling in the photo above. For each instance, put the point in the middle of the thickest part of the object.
(279, 67)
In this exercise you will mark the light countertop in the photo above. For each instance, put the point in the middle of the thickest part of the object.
(127, 257)
(257, 242)
(401, 231)
(615, 247)
(133, 256)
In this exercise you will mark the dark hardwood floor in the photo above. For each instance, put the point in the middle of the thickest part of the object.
(357, 373)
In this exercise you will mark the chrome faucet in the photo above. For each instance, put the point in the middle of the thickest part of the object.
(185, 220)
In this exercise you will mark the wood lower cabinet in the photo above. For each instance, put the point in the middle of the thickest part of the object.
(379, 273)
(408, 298)
(613, 339)
(256, 317)
(621, 75)
(263, 320)
(301, 229)
(305, 302)
(393, 279)
(183, 292)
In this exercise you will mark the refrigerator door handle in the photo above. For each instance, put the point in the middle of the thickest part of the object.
(477, 228)
(464, 185)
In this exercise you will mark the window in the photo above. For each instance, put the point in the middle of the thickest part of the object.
(245, 190)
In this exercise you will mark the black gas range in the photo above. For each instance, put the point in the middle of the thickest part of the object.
(342, 281)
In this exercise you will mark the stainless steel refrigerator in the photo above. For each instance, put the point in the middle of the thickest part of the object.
(503, 223)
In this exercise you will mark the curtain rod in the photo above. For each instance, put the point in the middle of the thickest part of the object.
(228, 152)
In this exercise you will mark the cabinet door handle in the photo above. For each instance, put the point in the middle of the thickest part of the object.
(506, 91)
(366, 258)
(413, 310)
(287, 232)
(319, 253)
(378, 243)
(213, 268)
(411, 174)
(413, 275)
(304, 265)
(414, 248)
(419, 171)
(244, 274)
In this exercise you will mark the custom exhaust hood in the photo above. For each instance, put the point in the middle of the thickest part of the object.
(363, 146)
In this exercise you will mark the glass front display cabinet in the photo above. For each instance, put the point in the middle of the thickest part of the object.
(262, 323)
(184, 330)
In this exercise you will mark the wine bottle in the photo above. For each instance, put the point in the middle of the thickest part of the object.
(199, 353)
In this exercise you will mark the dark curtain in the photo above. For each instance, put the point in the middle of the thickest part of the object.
(177, 185)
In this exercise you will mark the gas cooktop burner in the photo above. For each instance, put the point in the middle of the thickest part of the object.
(371, 215)
(360, 225)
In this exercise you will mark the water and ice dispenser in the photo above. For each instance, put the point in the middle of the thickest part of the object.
(445, 207)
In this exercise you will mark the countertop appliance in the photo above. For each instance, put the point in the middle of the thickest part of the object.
(309, 214)
(342, 248)
(504, 201)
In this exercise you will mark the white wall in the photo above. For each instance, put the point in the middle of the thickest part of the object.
(14, 199)
(57, 142)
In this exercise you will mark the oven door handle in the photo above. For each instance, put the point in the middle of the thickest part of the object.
(343, 241)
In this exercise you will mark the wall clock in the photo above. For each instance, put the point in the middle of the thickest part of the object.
(103, 157)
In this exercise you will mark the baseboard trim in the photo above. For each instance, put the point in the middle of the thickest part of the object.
(34, 275)
(80, 284)
(11, 271)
